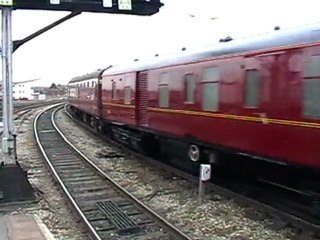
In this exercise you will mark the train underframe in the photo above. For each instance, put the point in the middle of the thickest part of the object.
(187, 155)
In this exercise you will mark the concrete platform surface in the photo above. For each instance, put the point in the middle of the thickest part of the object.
(23, 227)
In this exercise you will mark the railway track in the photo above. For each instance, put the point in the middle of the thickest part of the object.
(21, 108)
(248, 195)
(106, 209)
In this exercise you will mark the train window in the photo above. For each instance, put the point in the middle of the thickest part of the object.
(210, 89)
(88, 84)
(252, 94)
(190, 87)
(211, 74)
(312, 68)
(164, 96)
(164, 90)
(127, 95)
(127, 90)
(311, 88)
(311, 98)
(114, 91)
(210, 96)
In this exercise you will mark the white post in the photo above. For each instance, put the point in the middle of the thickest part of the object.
(205, 175)
(201, 190)
(7, 112)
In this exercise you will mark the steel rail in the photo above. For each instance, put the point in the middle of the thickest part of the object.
(57, 177)
(160, 221)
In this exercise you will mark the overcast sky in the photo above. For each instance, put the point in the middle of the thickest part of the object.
(94, 40)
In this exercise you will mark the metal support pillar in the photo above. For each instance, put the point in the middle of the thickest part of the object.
(6, 44)
(14, 184)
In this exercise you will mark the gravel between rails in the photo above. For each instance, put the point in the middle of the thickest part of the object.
(51, 207)
(217, 218)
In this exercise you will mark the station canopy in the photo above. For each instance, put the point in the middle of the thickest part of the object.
(135, 7)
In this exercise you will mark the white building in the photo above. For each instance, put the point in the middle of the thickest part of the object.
(24, 90)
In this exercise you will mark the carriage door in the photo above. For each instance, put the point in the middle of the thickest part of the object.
(142, 98)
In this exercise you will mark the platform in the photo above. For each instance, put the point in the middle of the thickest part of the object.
(23, 227)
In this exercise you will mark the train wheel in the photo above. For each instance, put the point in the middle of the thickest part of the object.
(92, 122)
(84, 118)
(99, 127)
(194, 153)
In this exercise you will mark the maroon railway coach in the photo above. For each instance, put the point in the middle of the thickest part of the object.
(85, 96)
(83, 93)
(257, 96)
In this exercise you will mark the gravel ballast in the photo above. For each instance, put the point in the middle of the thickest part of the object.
(217, 217)
(50, 206)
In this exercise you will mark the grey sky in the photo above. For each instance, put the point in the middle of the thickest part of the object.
(92, 41)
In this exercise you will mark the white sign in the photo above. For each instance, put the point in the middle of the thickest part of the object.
(205, 172)
(6, 2)
(55, 2)
(125, 4)
(107, 3)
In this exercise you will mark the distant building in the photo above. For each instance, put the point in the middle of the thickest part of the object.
(57, 91)
(39, 93)
(30, 90)
(24, 90)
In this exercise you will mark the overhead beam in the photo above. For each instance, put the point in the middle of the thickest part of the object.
(135, 7)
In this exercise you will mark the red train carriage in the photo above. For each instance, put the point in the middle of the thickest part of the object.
(254, 97)
(258, 96)
(118, 98)
(84, 96)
